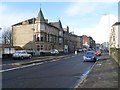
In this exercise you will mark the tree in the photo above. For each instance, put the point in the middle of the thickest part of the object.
(6, 36)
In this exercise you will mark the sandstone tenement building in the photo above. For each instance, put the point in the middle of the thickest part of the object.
(40, 36)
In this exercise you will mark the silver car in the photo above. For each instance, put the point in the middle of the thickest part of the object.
(21, 55)
(54, 51)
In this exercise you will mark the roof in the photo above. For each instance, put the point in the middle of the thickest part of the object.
(117, 23)
(40, 16)
(30, 21)
(56, 24)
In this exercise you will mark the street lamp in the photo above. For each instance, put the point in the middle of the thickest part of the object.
(0, 36)
(108, 30)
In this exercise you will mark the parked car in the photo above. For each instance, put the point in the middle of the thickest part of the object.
(21, 55)
(54, 51)
(90, 56)
(80, 50)
(98, 52)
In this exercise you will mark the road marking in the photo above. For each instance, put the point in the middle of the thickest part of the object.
(32, 64)
(27, 66)
(20, 67)
(67, 58)
(85, 76)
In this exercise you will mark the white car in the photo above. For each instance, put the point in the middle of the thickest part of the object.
(54, 51)
(21, 55)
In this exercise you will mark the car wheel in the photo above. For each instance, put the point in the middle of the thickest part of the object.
(95, 59)
(29, 57)
(22, 57)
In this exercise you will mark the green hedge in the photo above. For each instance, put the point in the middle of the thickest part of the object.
(115, 54)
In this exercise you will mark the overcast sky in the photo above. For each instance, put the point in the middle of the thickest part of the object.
(84, 18)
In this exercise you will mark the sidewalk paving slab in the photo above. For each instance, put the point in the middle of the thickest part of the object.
(103, 75)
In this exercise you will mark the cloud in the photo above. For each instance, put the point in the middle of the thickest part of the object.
(73, 9)
(98, 32)
(81, 8)
(8, 17)
(101, 31)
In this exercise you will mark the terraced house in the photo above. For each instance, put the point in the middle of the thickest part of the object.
(115, 41)
(40, 36)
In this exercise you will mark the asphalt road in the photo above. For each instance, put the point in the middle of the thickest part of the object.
(59, 73)
(10, 60)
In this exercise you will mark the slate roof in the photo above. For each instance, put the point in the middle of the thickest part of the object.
(117, 23)
(30, 21)
(40, 16)
(56, 24)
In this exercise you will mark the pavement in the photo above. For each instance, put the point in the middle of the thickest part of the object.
(104, 74)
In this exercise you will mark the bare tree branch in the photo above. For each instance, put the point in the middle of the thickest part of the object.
(6, 36)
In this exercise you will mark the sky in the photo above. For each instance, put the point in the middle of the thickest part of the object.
(83, 17)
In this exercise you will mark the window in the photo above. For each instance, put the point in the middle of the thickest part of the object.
(37, 38)
(60, 33)
(41, 38)
(48, 38)
(38, 27)
(60, 40)
(38, 47)
(41, 47)
(42, 27)
(113, 38)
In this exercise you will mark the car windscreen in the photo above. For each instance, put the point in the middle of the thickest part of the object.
(89, 53)
(19, 52)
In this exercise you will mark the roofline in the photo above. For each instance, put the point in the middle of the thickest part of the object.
(23, 21)
(117, 23)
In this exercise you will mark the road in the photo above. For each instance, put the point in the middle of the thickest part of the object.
(57, 73)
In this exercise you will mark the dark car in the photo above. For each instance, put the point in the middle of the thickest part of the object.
(90, 56)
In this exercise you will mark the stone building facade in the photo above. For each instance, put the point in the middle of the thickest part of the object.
(88, 42)
(114, 42)
(114, 36)
(40, 36)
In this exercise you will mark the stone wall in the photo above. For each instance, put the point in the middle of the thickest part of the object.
(22, 35)
(115, 54)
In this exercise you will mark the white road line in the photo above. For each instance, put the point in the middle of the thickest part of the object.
(30, 65)
(66, 58)
(26, 66)
(20, 67)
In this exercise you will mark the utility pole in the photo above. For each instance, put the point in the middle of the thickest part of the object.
(109, 29)
(0, 36)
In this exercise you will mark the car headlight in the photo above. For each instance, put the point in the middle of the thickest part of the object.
(84, 57)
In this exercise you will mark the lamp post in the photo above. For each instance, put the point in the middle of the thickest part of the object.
(109, 31)
(0, 36)
(108, 19)
(0, 45)
(33, 29)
